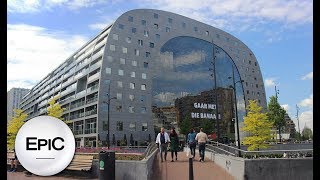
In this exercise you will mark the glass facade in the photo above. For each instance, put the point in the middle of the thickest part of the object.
(183, 87)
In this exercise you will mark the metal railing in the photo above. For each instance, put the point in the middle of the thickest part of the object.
(78, 104)
(91, 112)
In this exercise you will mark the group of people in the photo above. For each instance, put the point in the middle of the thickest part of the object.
(164, 139)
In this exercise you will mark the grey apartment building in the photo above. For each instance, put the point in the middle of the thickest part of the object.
(151, 60)
(14, 97)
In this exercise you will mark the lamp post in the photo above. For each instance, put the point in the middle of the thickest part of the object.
(108, 102)
(298, 121)
(236, 108)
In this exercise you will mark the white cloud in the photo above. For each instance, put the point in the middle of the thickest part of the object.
(308, 102)
(308, 76)
(306, 118)
(34, 51)
(286, 107)
(269, 82)
(34, 6)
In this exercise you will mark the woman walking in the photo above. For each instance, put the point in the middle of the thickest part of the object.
(174, 143)
(192, 142)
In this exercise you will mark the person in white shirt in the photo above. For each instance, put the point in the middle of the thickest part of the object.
(162, 140)
(202, 139)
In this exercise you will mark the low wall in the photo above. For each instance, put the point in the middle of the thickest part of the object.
(130, 170)
(264, 169)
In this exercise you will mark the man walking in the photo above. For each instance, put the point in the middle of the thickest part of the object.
(202, 139)
(162, 140)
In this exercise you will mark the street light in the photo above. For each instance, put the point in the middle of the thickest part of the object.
(108, 102)
(236, 110)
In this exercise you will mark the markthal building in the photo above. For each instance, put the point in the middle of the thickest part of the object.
(153, 69)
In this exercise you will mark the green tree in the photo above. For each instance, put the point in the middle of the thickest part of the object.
(14, 125)
(55, 109)
(276, 114)
(208, 126)
(185, 126)
(307, 133)
(257, 125)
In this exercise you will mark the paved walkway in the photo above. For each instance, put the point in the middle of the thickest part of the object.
(20, 175)
(168, 170)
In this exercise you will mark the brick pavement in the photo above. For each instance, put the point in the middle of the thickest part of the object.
(179, 170)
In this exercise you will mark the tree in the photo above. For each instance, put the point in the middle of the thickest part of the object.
(14, 125)
(257, 125)
(55, 109)
(185, 126)
(307, 133)
(276, 114)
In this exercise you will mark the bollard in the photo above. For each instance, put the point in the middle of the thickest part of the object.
(107, 165)
(190, 169)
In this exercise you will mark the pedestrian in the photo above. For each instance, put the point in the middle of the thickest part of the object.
(14, 162)
(162, 141)
(202, 139)
(192, 142)
(174, 143)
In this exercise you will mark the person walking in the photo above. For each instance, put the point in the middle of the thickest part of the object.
(174, 143)
(162, 141)
(192, 142)
(14, 162)
(202, 139)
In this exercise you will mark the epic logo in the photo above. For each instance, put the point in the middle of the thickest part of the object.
(45, 145)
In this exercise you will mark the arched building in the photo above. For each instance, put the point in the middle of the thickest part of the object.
(160, 67)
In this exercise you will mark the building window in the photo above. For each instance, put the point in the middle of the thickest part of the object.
(170, 20)
(133, 74)
(147, 54)
(207, 33)
(142, 98)
(246, 83)
(145, 64)
(134, 63)
(132, 126)
(151, 45)
(120, 26)
(110, 58)
(259, 101)
(119, 96)
(255, 63)
(130, 19)
(132, 85)
(255, 78)
(143, 110)
(156, 26)
(140, 42)
(112, 47)
(108, 70)
(218, 36)
(122, 61)
(124, 50)
(131, 109)
(143, 87)
(120, 85)
(195, 29)
(183, 25)
(131, 97)
(249, 62)
(157, 36)
(120, 72)
(256, 85)
(144, 127)
(155, 16)
(119, 108)
(144, 76)
(167, 29)
(119, 126)
(136, 52)
(258, 93)
(128, 39)
(248, 92)
(146, 33)
(115, 36)
(143, 22)
(134, 30)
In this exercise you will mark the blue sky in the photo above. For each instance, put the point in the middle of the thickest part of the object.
(43, 33)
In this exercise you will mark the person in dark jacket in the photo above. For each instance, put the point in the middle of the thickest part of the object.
(174, 145)
(192, 142)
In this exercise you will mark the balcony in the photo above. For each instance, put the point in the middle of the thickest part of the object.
(81, 93)
(43, 103)
(91, 100)
(81, 103)
(42, 110)
(75, 116)
(91, 112)
(76, 132)
(92, 88)
(103, 42)
(67, 82)
(62, 93)
(81, 73)
(93, 77)
(90, 131)
(67, 99)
